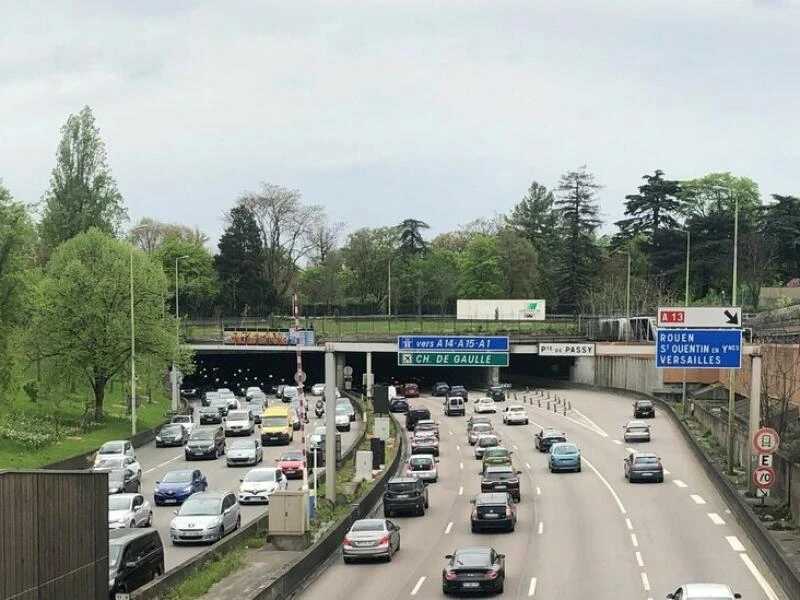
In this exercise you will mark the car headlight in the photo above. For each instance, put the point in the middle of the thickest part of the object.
(188, 489)
(111, 581)
(158, 438)
(122, 519)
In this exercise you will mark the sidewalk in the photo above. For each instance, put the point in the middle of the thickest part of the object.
(261, 568)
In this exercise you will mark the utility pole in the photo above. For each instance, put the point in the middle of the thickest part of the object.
(330, 423)
(732, 376)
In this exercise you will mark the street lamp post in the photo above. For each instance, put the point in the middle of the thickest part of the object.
(133, 342)
(688, 233)
(627, 295)
(177, 339)
(389, 291)
(732, 376)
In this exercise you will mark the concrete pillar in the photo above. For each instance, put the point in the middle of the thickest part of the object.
(330, 424)
(368, 383)
(494, 375)
(340, 362)
(754, 422)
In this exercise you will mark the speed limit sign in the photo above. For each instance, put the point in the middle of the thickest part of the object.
(764, 477)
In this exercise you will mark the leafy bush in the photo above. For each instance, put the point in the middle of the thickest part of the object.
(33, 431)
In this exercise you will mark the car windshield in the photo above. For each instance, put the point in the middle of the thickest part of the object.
(515, 409)
(203, 434)
(648, 460)
(493, 452)
(565, 450)
(238, 415)
(111, 449)
(472, 559)
(499, 475)
(260, 476)
(172, 429)
(242, 445)
(209, 410)
(182, 476)
(111, 463)
(182, 419)
(119, 503)
(368, 525)
(196, 506)
(289, 392)
(292, 456)
(114, 553)
(400, 487)
(273, 421)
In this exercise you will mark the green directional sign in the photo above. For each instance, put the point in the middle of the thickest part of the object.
(452, 359)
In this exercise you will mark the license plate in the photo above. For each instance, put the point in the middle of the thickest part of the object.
(647, 474)
(402, 495)
(190, 535)
(470, 584)
(170, 501)
(362, 544)
(491, 516)
(499, 487)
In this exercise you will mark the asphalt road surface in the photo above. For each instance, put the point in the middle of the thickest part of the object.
(157, 461)
(579, 535)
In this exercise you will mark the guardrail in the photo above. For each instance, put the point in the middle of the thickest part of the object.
(769, 549)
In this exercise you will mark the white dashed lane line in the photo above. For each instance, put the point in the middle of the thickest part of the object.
(448, 528)
(418, 585)
(645, 582)
(679, 483)
(527, 465)
(541, 527)
(697, 499)
(461, 491)
(617, 442)
(538, 491)
(458, 447)
(639, 560)
(451, 433)
(735, 543)
(716, 519)
(634, 540)
(515, 447)
(629, 524)
(631, 450)
(461, 465)
(532, 587)
(666, 472)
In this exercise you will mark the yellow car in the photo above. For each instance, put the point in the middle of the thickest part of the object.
(496, 456)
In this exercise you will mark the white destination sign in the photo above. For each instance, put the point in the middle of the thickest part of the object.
(566, 349)
(700, 316)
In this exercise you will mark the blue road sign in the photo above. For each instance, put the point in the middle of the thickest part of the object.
(452, 343)
(699, 348)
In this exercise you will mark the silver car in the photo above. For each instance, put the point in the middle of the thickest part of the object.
(484, 442)
(342, 418)
(423, 466)
(636, 431)
(205, 517)
(371, 538)
(244, 452)
(129, 510)
(345, 404)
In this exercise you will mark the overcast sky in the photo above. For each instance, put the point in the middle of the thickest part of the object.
(380, 110)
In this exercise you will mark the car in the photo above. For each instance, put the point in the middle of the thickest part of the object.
(496, 393)
(440, 388)
(636, 431)
(492, 511)
(177, 485)
(515, 414)
(119, 463)
(547, 437)
(484, 405)
(459, 390)
(704, 591)
(205, 517)
(474, 569)
(129, 510)
(346, 405)
(172, 434)
(121, 481)
(501, 478)
(398, 404)
(292, 464)
(185, 420)
(423, 466)
(342, 418)
(475, 419)
(257, 406)
(221, 404)
(644, 409)
(488, 440)
(210, 415)
(135, 557)
(114, 449)
(427, 425)
(414, 415)
(294, 415)
(208, 396)
(643, 466)
(252, 391)
(496, 456)
(190, 392)
(206, 442)
(279, 390)
(240, 422)
(371, 538)
(244, 452)
(318, 389)
(564, 456)
(405, 495)
(258, 484)
(424, 442)
(477, 430)
(454, 406)
(411, 390)
(288, 393)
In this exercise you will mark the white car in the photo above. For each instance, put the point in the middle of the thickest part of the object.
(114, 449)
(484, 405)
(129, 510)
(345, 404)
(342, 418)
(244, 452)
(185, 420)
(318, 389)
(119, 461)
(258, 484)
(704, 591)
(240, 422)
(515, 413)
(252, 391)
(484, 442)
(205, 517)
(423, 466)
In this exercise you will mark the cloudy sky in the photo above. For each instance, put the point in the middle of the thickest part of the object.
(380, 110)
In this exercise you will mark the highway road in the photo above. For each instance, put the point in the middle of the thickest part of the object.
(579, 535)
(157, 461)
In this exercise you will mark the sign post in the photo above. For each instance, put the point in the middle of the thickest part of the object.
(766, 442)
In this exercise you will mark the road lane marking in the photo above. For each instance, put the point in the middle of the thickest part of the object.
(639, 560)
(450, 432)
(617, 442)
(461, 465)
(697, 499)
(418, 585)
(666, 472)
(634, 540)
(608, 485)
(515, 447)
(458, 447)
(759, 577)
(631, 450)
(165, 463)
(679, 483)
(629, 524)
(645, 582)
(716, 519)
(597, 428)
(448, 528)
(527, 465)
(541, 527)
(735, 543)
(532, 587)
(148, 471)
(538, 491)
(461, 490)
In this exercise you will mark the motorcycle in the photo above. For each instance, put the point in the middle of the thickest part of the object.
(319, 410)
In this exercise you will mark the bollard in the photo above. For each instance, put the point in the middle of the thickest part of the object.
(548, 405)
(515, 396)
(548, 395)
(565, 410)
(539, 402)
(555, 408)
(570, 405)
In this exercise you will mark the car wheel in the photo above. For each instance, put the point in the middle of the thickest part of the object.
(238, 523)
(216, 452)
(220, 533)
(157, 572)
(149, 522)
(387, 513)
(579, 468)
(347, 560)
(500, 589)
(526, 421)
(661, 479)
(223, 448)
(132, 525)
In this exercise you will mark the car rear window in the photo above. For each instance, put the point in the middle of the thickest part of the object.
(565, 450)
(400, 487)
(471, 559)
(649, 460)
(638, 429)
(645, 404)
(420, 461)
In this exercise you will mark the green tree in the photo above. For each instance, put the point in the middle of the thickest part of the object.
(577, 205)
(519, 264)
(82, 192)
(198, 285)
(82, 317)
(323, 284)
(657, 206)
(441, 275)
(480, 269)
(781, 225)
(367, 254)
(411, 241)
(239, 264)
(149, 234)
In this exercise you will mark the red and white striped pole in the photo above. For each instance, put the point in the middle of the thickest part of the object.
(299, 379)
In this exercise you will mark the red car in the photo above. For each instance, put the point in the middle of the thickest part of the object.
(291, 463)
(411, 390)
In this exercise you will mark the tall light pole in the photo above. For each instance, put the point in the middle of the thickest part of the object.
(389, 291)
(133, 341)
(627, 295)
(177, 339)
(735, 298)
(688, 233)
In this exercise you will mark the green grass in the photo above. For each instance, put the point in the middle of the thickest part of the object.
(213, 572)
(53, 433)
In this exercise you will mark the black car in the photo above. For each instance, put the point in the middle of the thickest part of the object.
(644, 409)
(405, 495)
(497, 393)
(135, 557)
(222, 405)
(190, 392)
(546, 438)
(257, 405)
(398, 405)
(440, 388)
(492, 511)
(474, 569)
(460, 391)
(210, 415)
(415, 414)
(172, 434)
(208, 442)
(123, 481)
(501, 478)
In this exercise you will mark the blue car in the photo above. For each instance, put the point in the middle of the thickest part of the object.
(564, 456)
(176, 486)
